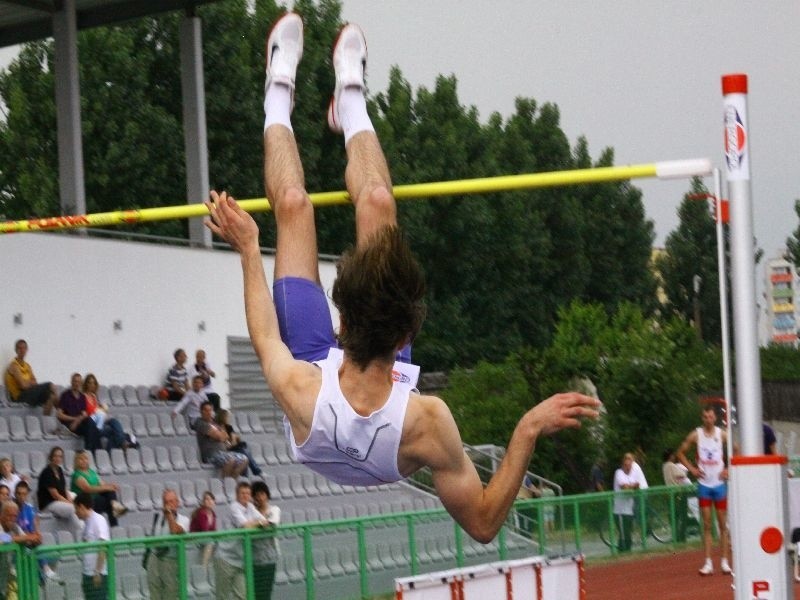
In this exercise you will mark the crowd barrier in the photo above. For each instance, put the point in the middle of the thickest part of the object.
(362, 556)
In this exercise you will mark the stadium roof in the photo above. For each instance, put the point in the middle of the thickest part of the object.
(28, 20)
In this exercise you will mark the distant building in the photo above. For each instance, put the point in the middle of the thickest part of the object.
(781, 295)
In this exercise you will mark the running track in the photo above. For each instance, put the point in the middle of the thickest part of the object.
(662, 577)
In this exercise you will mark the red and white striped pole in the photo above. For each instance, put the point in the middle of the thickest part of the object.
(758, 488)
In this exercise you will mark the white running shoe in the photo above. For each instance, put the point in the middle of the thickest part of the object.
(707, 568)
(349, 64)
(725, 567)
(284, 51)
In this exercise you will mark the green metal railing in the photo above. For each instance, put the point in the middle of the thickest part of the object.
(372, 550)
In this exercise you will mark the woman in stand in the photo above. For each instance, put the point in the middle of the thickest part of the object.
(235, 443)
(109, 427)
(104, 495)
(52, 495)
(205, 519)
(265, 551)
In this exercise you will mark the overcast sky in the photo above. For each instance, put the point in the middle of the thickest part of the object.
(640, 76)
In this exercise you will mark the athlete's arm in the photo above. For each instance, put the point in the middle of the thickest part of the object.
(690, 440)
(239, 229)
(482, 511)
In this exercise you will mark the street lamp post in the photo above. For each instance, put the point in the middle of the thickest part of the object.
(720, 217)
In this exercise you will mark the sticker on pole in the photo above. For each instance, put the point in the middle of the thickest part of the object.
(761, 589)
(736, 147)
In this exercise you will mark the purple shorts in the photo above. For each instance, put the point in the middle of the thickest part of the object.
(305, 320)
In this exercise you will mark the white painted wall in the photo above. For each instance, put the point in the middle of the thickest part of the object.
(70, 290)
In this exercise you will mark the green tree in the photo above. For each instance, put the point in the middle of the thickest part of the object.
(690, 252)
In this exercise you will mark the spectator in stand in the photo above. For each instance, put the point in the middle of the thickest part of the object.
(211, 439)
(265, 551)
(191, 402)
(162, 562)
(177, 382)
(109, 427)
(52, 495)
(204, 370)
(12, 533)
(95, 529)
(235, 443)
(9, 476)
(229, 563)
(104, 495)
(5, 493)
(21, 384)
(72, 414)
(205, 519)
(28, 521)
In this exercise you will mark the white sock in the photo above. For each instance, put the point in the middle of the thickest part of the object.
(278, 106)
(353, 112)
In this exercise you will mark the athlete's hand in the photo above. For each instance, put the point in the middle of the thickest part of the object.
(724, 475)
(231, 223)
(562, 411)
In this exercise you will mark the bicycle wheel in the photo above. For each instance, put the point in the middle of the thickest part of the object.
(659, 526)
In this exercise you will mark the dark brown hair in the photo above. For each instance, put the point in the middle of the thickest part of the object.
(379, 292)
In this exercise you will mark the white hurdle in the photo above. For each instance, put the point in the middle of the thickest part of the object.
(536, 578)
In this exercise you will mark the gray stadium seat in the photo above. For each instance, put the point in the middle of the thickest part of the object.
(127, 495)
(131, 399)
(118, 463)
(180, 426)
(153, 426)
(22, 463)
(124, 420)
(177, 459)
(268, 451)
(103, 396)
(157, 490)
(130, 588)
(33, 427)
(64, 536)
(321, 569)
(133, 458)
(192, 460)
(138, 425)
(38, 462)
(310, 485)
(162, 458)
(102, 462)
(16, 427)
(148, 459)
(255, 422)
(333, 562)
(143, 395)
(50, 427)
(117, 395)
(242, 424)
(4, 433)
(218, 489)
(165, 424)
(143, 498)
(229, 483)
(282, 453)
(286, 491)
(69, 460)
(188, 493)
(201, 486)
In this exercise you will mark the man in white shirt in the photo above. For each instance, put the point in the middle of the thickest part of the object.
(162, 562)
(229, 563)
(191, 402)
(95, 529)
